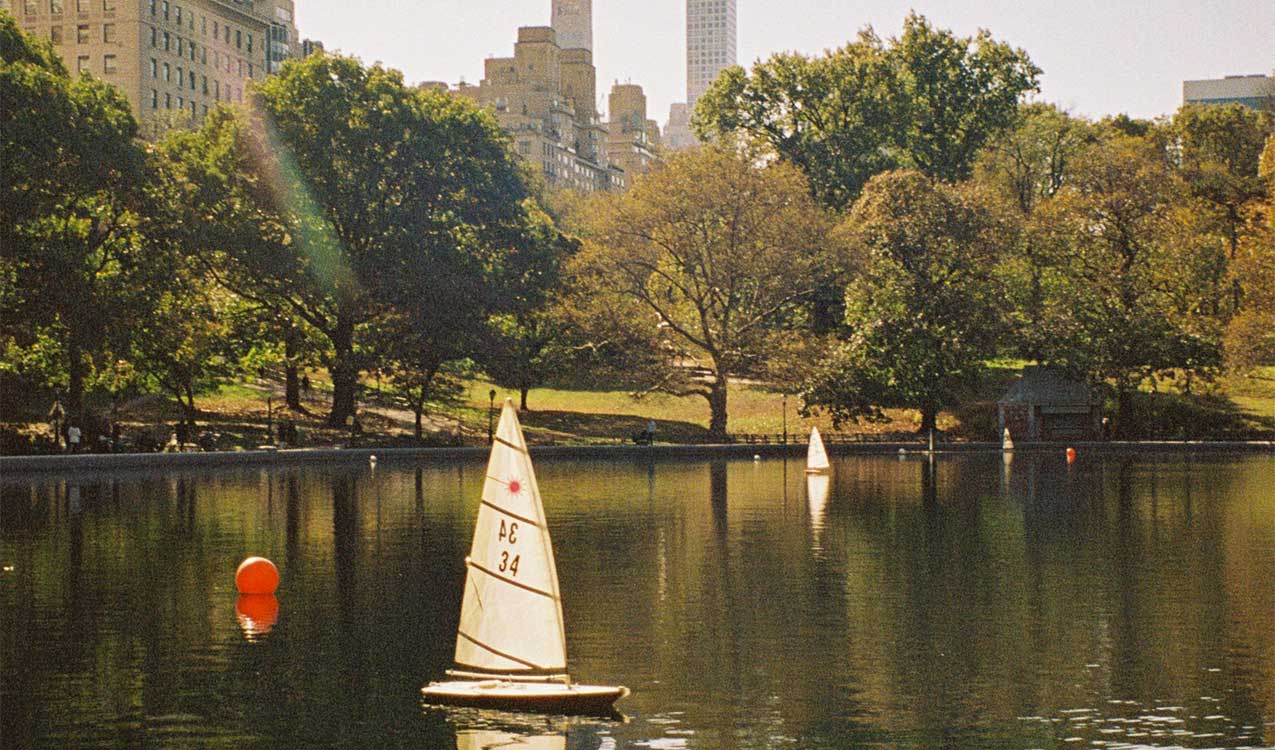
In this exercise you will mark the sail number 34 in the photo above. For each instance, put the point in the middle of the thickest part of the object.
(509, 534)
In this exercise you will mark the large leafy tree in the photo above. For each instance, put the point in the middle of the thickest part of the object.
(1021, 169)
(1219, 148)
(523, 337)
(75, 277)
(925, 310)
(1122, 292)
(694, 266)
(927, 100)
(348, 198)
(1250, 336)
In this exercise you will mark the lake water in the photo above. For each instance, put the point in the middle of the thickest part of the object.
(1119, 602)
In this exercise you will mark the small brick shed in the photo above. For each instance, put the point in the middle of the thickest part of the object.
(1046, 405)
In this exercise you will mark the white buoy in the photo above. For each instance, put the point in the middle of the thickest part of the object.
(756, 456)
(903, 451)
(372, 460)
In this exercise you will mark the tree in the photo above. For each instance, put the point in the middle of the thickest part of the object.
(349, 197)
(1117, 309)
(76, 278)
(694, 263)
(1024, 167)
(1250, 336)
(520, 345)
(1219, 148)
(925, 310)
(927, 101)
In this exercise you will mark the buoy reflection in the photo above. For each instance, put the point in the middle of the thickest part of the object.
(257, 614)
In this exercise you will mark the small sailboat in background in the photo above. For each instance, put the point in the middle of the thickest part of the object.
(511, 648)
(1007, 442)
(816, 455)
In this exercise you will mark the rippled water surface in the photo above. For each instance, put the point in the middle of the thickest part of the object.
(1121, 602)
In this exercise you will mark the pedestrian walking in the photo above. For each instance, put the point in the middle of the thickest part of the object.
(73, 439)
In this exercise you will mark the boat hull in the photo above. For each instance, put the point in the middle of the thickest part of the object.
(540, 697)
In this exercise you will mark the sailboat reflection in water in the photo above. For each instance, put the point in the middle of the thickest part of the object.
(487, 739)
(511, 650)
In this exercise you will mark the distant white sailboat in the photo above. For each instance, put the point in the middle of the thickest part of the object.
(1007, 441)
(816, 455)
(511, 650)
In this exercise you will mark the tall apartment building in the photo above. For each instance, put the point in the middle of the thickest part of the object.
(711, 47)
(710, 43)
(572, 21)
(1256, 91)
(173, 59)
(632, 140)
(544, 98)
(284, 41)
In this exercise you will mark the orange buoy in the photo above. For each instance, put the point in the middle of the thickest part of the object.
(257, 614)
(257, 575)
(1071, 455)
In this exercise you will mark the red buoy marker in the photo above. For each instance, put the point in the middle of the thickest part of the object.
(257, 575)
(1071, 455)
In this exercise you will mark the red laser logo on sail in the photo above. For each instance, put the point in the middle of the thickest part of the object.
(515, 486)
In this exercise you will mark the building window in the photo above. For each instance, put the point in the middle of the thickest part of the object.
(250, 42)
(55, 7)
(165, 10)
(153, 3)
(216, 89)
(251, 72)
(154, 68)
(181, 76)
(167, 41)
(181, 46)
(83, 5)
(192, 80)
(154, 99)
(108, 33)
(204, 107)
(226, 30)
(203, 80)
(168, 72)
(82, 33)
(177, 14)
(238, 39)
(108, 6)
(108, 64)
(81, 63)
(216, 29)
(181, 103)
(168, 100)
(203, 25)
(192, 51)
(154, 37)
(55, 34)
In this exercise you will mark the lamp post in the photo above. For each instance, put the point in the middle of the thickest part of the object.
(785, 397)
(269, 420)
(491, 411)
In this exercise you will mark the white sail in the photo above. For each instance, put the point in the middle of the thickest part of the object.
(1007, 442)
(816, 456)
(511, 613)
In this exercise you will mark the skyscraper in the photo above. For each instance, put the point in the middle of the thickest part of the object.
(710, 43)
(572, 22)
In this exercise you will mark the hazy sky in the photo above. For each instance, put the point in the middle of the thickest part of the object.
(1099, 56)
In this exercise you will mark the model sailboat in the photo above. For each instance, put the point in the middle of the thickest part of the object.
(1007, 442)
(511, 650)
(816, 455)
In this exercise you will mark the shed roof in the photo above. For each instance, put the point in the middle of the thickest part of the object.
(1047, 386)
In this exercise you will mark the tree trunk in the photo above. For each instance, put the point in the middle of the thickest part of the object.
(189, 412)
(1124, 411)
(717, 409)
(929, 419)
(77, 371)
(418, 408)
(345, 374)
(291, 370)
(522, 398)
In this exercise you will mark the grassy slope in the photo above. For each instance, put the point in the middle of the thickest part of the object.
(1238, 407)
